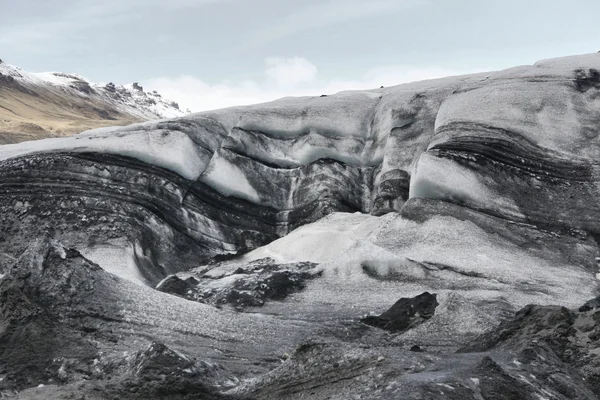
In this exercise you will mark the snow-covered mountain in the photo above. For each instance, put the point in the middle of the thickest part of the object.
(48, 104)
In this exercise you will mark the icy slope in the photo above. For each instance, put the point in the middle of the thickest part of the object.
(517, 144)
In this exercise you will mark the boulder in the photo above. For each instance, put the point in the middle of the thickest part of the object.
(405, 313)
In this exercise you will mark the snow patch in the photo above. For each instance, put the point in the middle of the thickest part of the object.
(228, 180)
(320, 241)
(571, 62)
(57, 78)
(116, 259)
(446, 386)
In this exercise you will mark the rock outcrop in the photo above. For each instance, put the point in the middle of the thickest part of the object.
(543, 352)
(405, 313)
(241, 286)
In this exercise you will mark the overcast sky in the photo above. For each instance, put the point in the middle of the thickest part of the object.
(213, 53)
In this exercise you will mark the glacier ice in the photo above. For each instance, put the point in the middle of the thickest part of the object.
(172, 150)
(481, 189)
(513, 143)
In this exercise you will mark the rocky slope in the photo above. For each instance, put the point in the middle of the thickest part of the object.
(50, 104)
(377, 244)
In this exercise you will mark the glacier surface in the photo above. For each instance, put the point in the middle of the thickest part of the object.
(482, 189)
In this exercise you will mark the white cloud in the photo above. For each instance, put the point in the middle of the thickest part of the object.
(290, 72)
(284, 77)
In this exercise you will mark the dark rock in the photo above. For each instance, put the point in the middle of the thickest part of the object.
(405, 313)
(255, 283)
(36, 342)
(416, 348)
(587, 79)
(158, 360)
(136, 86)
(159, 372)
(313, 369)
(177, 286)
(551, 323)
(393, 192)
(82, 86)
(495, 384)
(192, 281)
(590, 305)
(551, 339)
(7, 80)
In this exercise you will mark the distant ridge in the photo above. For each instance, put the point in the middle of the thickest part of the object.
(51, 104)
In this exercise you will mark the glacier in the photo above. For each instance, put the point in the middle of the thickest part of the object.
(481, 189)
